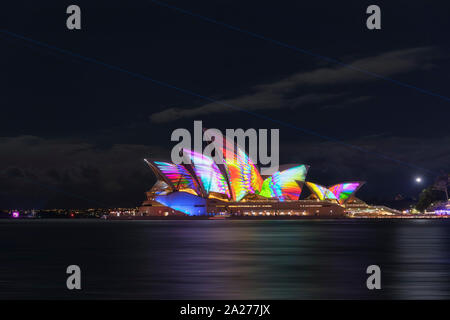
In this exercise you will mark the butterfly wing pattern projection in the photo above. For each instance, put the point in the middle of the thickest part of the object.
(285, 185)
(176, 176)
(321, 192)
(344, 191)
(208, 173)
(242, 173)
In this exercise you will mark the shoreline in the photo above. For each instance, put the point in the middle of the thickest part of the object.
(244, 218)
(279, 218)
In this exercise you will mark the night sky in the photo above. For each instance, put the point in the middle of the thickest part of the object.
(74, 132)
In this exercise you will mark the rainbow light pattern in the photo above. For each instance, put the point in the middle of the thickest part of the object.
(208, 172)
(343, 191)
(178, 175)
(242, 173)
(321, 192)
(285, 185)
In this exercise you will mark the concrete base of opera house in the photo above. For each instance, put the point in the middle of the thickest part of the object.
(259, 209)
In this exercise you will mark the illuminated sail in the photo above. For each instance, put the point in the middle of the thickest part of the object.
(285, 185)
(321, 192)
(343, 191)
(208, 173)
(242, 173)
(178, 176)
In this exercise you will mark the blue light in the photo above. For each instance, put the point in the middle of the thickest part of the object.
(184, 202)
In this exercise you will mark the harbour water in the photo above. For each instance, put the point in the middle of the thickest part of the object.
(225, 259)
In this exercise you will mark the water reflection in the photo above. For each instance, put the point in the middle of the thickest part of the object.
(308, 259)
(422, 261)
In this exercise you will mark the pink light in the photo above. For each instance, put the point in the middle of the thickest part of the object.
(15, 214)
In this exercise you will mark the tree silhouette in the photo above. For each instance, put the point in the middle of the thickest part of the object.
(427, 197)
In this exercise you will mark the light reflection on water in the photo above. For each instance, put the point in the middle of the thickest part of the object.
(422, 262)
(305, 259)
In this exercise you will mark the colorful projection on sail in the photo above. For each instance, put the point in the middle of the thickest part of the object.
(180, 178)
(208, 173)
(285, 185)
(343, 191)
(242, 173)
(321, 192)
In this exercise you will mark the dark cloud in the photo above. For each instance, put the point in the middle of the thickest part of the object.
(257, 101)
(388, 164)
(63, 172)
(285, 93)
(385, 64)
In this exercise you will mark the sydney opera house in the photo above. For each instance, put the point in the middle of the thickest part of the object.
(236, 188)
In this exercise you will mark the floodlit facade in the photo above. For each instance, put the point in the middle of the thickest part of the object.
(236, 188)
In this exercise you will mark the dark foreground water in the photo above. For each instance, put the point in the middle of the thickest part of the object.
(225, 259)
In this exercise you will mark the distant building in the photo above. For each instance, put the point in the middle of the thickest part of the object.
(358, 208)
(441, 208)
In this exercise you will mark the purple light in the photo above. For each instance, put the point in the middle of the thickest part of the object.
(442, 212)
(15, 214)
